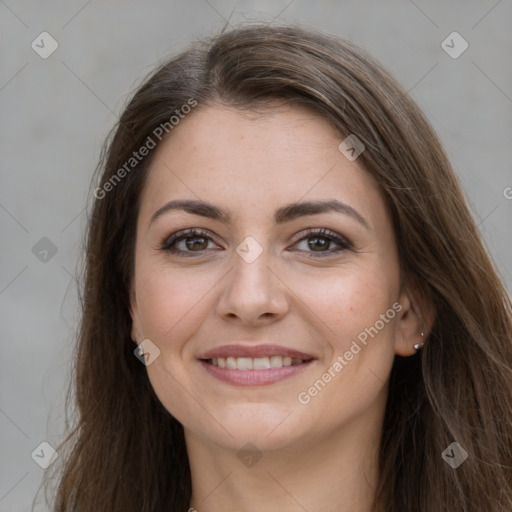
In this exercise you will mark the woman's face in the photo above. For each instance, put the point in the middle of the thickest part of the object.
(277, 324)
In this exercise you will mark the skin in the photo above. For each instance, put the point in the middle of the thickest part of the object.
(321, 455)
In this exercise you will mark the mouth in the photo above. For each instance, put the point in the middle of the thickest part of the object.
(254, 365)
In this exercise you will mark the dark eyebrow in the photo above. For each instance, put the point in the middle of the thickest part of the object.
(292, 211)
(284, 214)
(195, 207)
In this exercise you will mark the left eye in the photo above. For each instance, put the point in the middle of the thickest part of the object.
(321, 239)
(196, 241)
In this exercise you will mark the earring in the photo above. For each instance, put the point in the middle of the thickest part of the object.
(419, 346)
(140, 348)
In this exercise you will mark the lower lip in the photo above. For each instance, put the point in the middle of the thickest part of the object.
(255, 377)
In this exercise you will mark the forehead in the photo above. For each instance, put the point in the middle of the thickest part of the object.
(252, 161)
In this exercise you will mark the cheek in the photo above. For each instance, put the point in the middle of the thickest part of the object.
(171, 300)
(172, 305)
(346, 301)
(352, 379)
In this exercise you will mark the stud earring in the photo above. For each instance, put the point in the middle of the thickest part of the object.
(140, 348)
(139, 345)
(419, 346)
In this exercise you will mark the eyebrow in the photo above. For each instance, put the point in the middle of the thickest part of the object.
(284, 214)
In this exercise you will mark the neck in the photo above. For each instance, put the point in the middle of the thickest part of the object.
(337, 472)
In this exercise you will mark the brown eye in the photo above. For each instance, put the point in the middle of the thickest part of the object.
(187, 242)
(321, 243)
(318, 243)
(196, 243)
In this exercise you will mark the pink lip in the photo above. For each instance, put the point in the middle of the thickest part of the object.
(254, 351)
(254, 377)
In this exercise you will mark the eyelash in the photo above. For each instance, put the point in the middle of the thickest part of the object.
(168, 243)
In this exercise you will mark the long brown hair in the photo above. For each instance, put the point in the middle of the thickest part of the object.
(126, 453)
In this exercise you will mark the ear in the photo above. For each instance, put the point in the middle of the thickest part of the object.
(134, 313)
(416, 316)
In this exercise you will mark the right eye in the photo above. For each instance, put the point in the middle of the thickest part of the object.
(191, 240)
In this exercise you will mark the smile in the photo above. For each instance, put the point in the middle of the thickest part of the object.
(251, 364)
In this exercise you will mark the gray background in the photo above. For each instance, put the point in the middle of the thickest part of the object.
(57, 111)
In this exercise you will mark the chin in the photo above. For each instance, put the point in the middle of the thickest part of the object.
(266, 426)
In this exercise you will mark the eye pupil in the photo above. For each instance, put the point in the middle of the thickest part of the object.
(191, 243)
(322, 245)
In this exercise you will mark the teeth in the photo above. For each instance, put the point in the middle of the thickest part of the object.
(244, 363)
(261, 363)
(256, 363)
(276, 362)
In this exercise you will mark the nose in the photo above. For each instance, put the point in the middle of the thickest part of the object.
(253, 292)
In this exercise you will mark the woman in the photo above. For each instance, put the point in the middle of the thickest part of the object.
(279, 238)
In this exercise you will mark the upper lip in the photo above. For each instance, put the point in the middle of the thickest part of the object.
(264, 350)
